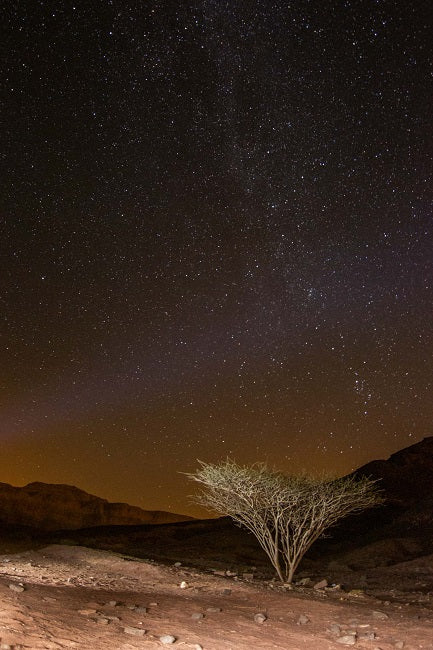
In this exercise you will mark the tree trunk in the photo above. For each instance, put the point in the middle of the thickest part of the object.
(290, 572)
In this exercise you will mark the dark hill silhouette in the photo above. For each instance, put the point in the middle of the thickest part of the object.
(47, 506)
(406, 479)
(407, 476)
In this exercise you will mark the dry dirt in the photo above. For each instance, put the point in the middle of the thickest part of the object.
(66, 604)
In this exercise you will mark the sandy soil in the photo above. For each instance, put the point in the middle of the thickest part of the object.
(75, 597)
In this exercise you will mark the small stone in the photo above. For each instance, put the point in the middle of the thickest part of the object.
(140, 609)
(302, 620)
(153, 604)
(112, 603)
(321, 585)
(183, 584)
(196, 646)
(347, 639)
(214, 610)
(367, 636)
(248, 576)
(260, 618)
(5, 646)
(380, 616)
(304, 582)
(102, 620)
(399, 645)
(356, 592)
(135, 631)
(87, 612)
(334, 628)
(178, 564)
(167, 639)
(226, 592)
(197, 616)
(17, 588)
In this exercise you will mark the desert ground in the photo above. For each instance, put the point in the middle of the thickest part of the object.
(62, 596)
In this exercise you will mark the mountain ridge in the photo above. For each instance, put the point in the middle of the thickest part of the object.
(54, 506)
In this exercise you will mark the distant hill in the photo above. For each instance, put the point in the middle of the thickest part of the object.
(53, 507)
(407, 475)
(406, 479)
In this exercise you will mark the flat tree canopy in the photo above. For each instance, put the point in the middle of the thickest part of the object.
(287, 514)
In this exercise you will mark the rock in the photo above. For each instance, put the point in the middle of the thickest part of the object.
(112, 603)
(177, 564)
(260, 618)
(17, 588)
(102, 620)
(305, 582)
(347, 639)
(379, 616)
(197, 616)
(214, 609)
(135, 631)
(302, 620)
(399, 645)
(153, 604)
(334, 628)
(367, 636)
(226, 592)
(140, 609)
(166, 639)
(5, 646)
(248, 576)
(356, 592)
(87, 612)
(321, 585)
(183, 585)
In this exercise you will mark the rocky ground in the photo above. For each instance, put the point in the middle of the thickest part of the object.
(64, 596)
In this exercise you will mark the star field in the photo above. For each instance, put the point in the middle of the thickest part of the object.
(217, 239)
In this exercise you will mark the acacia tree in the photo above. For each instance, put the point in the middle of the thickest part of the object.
(287, 514)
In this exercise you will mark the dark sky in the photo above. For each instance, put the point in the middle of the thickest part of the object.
(216, 239)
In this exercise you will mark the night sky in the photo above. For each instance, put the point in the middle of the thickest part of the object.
(216, 239)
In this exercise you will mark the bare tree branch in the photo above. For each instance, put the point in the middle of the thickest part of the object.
(287, 514)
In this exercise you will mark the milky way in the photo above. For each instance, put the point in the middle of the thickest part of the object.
(217, 239)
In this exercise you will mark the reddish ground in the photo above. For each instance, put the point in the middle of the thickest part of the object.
(66, 604)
